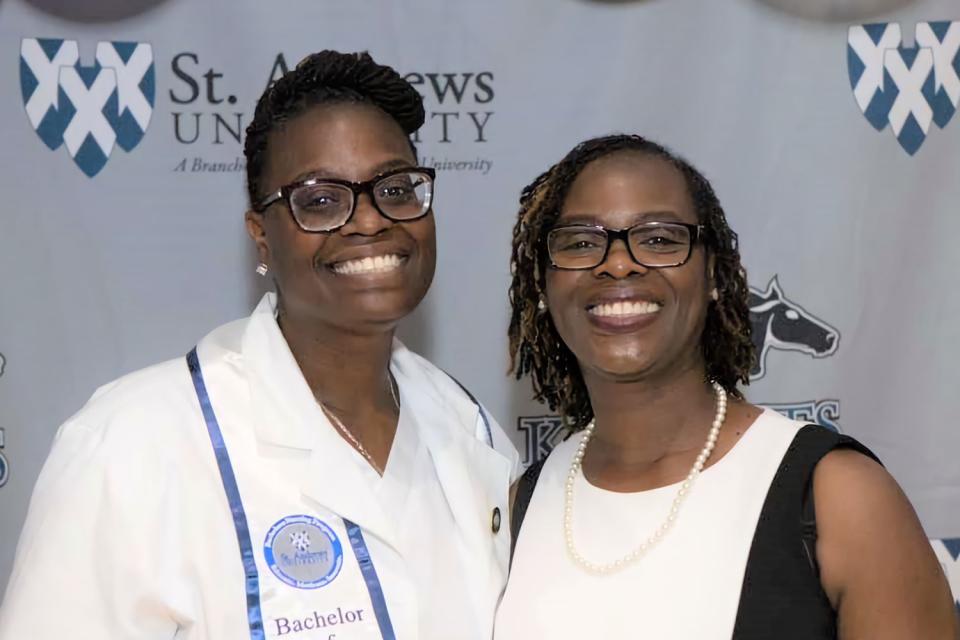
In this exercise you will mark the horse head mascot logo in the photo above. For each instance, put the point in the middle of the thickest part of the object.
(780, 323)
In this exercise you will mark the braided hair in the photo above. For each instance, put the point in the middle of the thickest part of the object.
(536, 348)
(327, 77)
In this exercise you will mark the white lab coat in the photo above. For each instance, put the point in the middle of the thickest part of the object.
(130, 535)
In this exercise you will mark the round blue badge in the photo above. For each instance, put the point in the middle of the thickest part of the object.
(303, 552)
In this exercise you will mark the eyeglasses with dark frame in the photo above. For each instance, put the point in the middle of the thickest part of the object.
(654, 245)
(322, 205)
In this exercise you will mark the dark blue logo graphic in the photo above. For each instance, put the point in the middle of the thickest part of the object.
(905, 87)
(822, 412)
(88, 109)
(780, 323)
(303, 552)
(948, 553)
(540, 435)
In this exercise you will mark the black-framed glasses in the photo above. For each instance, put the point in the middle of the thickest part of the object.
(326, 204)
(651, 244)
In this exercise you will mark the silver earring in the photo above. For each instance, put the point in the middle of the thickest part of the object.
(542, 304)
(261, 269)
(715, 294)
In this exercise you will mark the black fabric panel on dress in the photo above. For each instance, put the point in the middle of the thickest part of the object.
(782, 596)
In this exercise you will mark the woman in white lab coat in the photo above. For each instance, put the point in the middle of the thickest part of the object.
(301, 473)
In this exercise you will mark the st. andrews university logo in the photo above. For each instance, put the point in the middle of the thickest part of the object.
(88, 109)
(780, 323)
(948, 553)
(905, 87)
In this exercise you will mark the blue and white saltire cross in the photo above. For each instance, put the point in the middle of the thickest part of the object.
(943, 40)
(905, 87)
(90, 109)
(948, 553)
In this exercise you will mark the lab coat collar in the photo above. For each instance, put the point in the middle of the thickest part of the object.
(285, 414)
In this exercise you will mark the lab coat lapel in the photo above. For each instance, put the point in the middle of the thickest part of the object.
(334, 480)
(474, 476)
(287, 417)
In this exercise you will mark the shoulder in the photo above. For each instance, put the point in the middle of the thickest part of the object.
(771, 422)
(160, 392)
(147, 394)
(433, 383)
(148, 409)
(135, 435)
(447, 395)
(427, 375)
(768, 428)
(757, 436)
(126, 432)
(848, 470)
(877, 566)
(855, 496)
(853, 489)
(119, 448)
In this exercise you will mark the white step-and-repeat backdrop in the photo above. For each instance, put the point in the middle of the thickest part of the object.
(828, 128)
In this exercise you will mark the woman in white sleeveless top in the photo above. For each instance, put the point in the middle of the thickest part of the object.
(676, 510)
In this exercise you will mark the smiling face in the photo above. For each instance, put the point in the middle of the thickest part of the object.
(371, 272)
(622, 320)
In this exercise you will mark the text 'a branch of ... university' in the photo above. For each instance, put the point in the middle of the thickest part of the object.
(196, 164)
(480, 165)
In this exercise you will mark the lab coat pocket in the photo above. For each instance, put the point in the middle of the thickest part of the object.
(311, 582)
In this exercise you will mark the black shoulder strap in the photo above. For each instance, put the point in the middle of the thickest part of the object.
(521, 500)
(781, 595)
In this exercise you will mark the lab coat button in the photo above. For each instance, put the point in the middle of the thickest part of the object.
(495, 523)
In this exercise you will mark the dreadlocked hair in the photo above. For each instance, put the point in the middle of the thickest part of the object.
(327, 77)
(536, 348)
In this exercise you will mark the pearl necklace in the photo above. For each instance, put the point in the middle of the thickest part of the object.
(352, 439)
(576, 466)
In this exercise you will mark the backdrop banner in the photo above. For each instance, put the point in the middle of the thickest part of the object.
(830, 135)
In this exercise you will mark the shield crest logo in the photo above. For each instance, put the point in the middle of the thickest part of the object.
(907, 88)
(88, 109)
(947, 551)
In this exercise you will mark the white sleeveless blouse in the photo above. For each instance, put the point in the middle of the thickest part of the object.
(687, 587)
